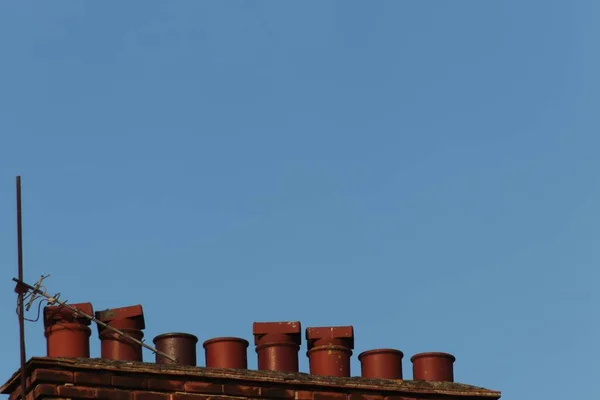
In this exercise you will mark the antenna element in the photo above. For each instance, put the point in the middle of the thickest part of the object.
(21, 294)
(35, 290)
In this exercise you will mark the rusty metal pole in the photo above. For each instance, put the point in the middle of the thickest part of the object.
(21, 294)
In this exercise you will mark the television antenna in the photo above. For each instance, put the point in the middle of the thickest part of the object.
(35, 292)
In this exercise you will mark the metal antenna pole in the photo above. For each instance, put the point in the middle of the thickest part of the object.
(21, 295)
(24, 287)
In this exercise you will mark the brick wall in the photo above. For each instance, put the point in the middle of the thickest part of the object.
(104, 379)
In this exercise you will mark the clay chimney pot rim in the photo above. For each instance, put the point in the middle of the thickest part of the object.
(380, 351)
(225, 339)
(175, 335)
(433, 354)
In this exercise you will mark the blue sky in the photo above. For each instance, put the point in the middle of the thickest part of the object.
(424, 171)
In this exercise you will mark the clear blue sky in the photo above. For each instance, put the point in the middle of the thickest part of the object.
(425, 171)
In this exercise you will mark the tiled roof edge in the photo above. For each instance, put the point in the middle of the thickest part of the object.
(284, 379)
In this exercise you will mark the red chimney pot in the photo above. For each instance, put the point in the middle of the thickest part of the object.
(433, 367)
(181, 346)
(67, 333)
(329, 350)
(381, 364)
(277, 345)
(130, 320)
(226, 352)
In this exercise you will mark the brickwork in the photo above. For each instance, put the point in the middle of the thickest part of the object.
(102, 379)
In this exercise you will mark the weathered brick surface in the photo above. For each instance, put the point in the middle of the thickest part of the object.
(188, 396)
(180, 390)
(113, 394)
(129, 382)
(276, 393)
(203, 387)
(227, 398)
(304, 395)
(115, 380)
(402, 398)
(329, 396)
(424, 397)
(58, 398)
(241, 390)
(15, 394)
(80, 392)
(44, 389)
(50, 375)
(363, 396)
(92, 379)
(166, 385)
(138, 395)
(434, 397)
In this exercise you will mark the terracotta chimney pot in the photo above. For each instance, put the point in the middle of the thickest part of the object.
(381, 364)
(67, 333)
(130, 320)
(277, 345)
(329, 350)
(433, 367)
(226, 352)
